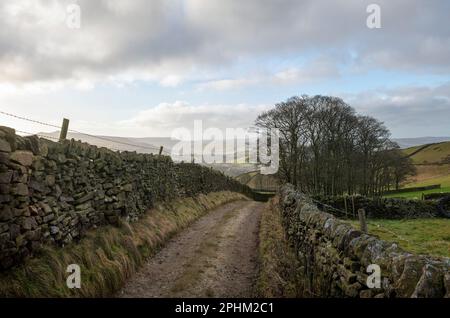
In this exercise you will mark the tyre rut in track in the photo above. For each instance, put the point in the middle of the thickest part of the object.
(215, 257)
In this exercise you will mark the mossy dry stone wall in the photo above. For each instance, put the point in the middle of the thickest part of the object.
(334, 257)
(53, 192)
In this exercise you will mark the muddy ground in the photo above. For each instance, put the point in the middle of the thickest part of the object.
(215, 257)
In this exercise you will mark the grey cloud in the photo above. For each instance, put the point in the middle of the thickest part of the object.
(153, 38)
(408, 111)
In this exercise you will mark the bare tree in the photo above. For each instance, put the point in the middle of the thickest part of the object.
(325, 147)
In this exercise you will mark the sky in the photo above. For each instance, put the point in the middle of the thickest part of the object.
(145, 68)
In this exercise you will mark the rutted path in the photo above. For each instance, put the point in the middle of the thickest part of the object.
(215, 257)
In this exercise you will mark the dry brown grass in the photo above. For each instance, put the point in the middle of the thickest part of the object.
(278, 264)
(109, 255)
(430, 174)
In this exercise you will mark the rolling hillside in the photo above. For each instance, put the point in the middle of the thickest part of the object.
(142, 145)
(152, 145)
(438, 153)
(433, 164)
(256, 180)
(432, 160)
(418, 141)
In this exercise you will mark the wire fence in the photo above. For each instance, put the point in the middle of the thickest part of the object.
(331, 207)
(29, 120)
(150, 148)
(38, 134)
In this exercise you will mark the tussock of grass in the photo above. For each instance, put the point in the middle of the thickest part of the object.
(109, 255)
(418, 236)
(278, 265)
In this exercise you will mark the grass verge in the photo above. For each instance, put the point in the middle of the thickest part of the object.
(109, 255)
(277, 262)
(418, 236)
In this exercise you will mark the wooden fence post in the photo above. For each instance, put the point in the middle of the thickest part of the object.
(64, 129)
(160, 150)
(362, 220)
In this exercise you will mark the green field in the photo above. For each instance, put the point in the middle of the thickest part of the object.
(417, 194)
(420, 236)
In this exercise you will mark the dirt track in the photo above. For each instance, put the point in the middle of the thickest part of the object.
(215, 257)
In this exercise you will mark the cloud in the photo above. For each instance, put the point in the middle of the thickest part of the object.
(164, 118)
(318, 69)
(427, 109)
(230, 84)
(321, 68)
(115, 41)
(170, 42)
(226, 46)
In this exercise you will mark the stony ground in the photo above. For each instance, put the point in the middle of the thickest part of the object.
(215, 257)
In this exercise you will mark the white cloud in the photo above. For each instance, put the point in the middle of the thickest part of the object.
(427, 109)
(164, 118)
(228, 84)
(321, 68)
(171, 80)
(318, 69)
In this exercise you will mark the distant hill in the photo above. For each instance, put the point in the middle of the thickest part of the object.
(432, 163)
(427, 151)
(233, 170)
(142, 145)
(256, 180)
(436, 153)
(412, 142)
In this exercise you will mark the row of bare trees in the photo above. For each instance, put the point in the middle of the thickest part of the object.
(326, 148)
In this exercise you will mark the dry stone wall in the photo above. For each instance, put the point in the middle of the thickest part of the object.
(334, 257)
(52, 193)
(383, 208)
